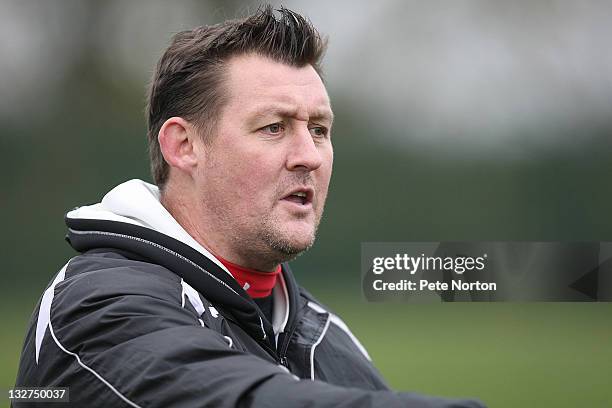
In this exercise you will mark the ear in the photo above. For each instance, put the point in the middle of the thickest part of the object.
(176, 141)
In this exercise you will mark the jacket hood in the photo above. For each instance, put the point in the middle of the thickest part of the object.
(138, 203)
(131, 218)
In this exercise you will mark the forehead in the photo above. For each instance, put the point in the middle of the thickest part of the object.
(255, 82)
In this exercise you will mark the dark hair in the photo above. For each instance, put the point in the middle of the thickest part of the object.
(189, 76)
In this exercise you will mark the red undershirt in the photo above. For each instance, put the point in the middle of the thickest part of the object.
(260, 283)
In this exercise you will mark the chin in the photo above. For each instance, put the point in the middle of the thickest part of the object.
(303, 236)
(288, 246)
(288, 238)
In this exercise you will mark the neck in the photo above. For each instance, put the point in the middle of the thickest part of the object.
(182, 207)
(256, 283)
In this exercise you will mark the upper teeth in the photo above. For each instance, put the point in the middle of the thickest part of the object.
(300, 194)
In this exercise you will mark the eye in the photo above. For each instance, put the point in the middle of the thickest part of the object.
(273, 129)
(319, 131)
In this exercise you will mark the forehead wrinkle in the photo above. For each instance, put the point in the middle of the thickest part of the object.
(294, 112)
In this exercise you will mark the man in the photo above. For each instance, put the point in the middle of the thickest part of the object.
(181, 295)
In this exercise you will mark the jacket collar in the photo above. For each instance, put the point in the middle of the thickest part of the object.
(131, 218)
(137, 202)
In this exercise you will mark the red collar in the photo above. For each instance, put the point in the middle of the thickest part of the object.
(260, 283)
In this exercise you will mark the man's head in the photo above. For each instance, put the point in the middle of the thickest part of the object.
(239, 135)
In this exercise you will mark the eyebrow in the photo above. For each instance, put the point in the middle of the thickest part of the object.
(283, 111)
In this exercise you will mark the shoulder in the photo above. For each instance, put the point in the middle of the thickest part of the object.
(108, 281)
(106, 297)
(309, 300)
(336, 323)
(102, 300)
(99, 274)
(336, 355)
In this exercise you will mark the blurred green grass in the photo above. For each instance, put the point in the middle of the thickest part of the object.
(506, 354)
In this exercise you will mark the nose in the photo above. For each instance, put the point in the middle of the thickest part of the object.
(303, 151)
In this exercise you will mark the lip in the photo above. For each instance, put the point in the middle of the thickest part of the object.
(308, 199)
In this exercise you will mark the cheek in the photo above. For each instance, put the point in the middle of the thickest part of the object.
(251, 182)
(326, 168)
(251, 179)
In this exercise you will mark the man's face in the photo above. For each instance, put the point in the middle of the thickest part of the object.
(266, 168)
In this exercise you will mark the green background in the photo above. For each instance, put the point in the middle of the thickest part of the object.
(92, 137)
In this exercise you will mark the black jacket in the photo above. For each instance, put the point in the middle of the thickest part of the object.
(141, 319)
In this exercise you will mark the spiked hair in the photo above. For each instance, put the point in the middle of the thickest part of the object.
(189, 77)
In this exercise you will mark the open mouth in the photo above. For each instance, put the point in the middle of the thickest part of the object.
(301, 196)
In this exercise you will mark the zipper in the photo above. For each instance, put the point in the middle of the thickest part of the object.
(284, 342)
